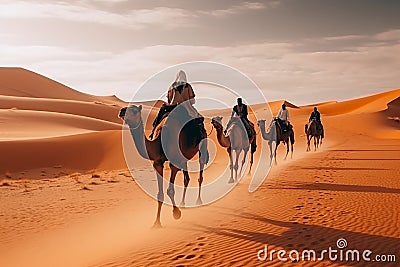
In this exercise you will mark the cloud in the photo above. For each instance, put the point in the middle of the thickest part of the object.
(343, 38)
(164, 17)
(391, 35)
(281, 69)
(241, 8)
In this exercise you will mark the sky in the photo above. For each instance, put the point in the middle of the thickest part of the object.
(304, 51)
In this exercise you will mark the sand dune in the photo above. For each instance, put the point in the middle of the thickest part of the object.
(87, 151)
(22, 124)
(64, 181)
(44, 123)
(367, 104)
(25, 83)
(95, 110)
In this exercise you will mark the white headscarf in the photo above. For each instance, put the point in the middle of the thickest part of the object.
(181, 77)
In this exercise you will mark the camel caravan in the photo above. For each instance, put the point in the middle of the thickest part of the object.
(179, 134)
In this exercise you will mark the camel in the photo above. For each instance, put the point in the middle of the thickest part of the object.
(154, 150)
(275, 135)
(237, 141)
(312, 131)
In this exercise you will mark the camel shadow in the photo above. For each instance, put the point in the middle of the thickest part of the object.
(363, 150)
(298, 236)
(343, 168)
(365, 159)
(334, 187)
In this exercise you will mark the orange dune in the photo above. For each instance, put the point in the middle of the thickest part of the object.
(44, 124)
(28, 124)
(69, 200)
(87, 151)
(367, 104)
(87, 109)
(21, 82)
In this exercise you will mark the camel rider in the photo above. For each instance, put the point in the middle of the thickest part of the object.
(315, 115)
(241, 110)
(180, 92)
(283, 117)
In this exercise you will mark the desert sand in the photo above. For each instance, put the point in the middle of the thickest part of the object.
(67, 198)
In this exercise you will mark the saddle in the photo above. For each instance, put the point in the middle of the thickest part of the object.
(196, 125)
(250, 130)
(284, 128)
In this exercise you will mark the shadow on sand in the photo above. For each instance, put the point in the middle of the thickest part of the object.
(333, 187)
(300, 237)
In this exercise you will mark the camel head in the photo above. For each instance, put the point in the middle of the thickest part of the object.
(132, 115)
(217, 122)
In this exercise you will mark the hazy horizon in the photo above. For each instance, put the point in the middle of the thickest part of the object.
(304, 51)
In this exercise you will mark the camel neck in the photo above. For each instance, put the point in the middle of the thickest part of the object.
(222, 139)
(264, 133)
(141, 142)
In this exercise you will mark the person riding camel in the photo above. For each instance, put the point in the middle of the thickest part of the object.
(241, 110)
(315, 115)
(283, 118)
(181, 94)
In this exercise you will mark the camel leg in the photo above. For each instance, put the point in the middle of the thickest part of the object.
(243, 161)
(315, 143)
(186, 180)
(308, 143)
(159, 167)
(230, 165)
(287, 149)
(236, 166)
(271, 154)
(276, 147)
(251, 161)
(291, 152)
(171, 191)
(199, 201)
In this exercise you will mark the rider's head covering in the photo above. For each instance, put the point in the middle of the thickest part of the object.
(315, 108)
(239, 100)
(181, 77)
(283, 105)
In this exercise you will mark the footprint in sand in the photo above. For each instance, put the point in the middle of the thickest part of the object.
(190, 256)
(180, 256)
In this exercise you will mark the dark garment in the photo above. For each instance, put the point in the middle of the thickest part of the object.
(163, 110)
(315, 115)
(283, 125)
(243, 113)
